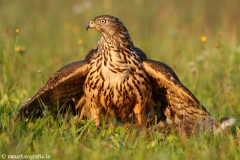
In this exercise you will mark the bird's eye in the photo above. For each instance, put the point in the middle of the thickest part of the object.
(102, 21)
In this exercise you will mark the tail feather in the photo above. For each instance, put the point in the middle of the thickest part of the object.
(224, 124)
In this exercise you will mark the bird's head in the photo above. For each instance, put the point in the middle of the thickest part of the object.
(107, 25)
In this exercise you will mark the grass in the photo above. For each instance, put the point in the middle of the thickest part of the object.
(39, 37)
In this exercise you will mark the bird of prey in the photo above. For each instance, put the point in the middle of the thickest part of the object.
(118, 81)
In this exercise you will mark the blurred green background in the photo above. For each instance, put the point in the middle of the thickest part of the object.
(51, 34)
(200, 40)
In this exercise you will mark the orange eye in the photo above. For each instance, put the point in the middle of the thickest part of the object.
(102, 21)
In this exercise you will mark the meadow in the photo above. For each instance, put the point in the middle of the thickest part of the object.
(200, 40)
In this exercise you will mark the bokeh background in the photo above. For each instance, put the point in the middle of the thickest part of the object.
(200, 40)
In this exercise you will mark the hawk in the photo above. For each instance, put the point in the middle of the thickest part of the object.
(118, 81)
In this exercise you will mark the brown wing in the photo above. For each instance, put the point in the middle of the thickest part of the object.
(62, 91)
(174, 102)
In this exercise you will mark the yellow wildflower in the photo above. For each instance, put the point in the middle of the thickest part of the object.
(17, 48)
(30, 125)
(203, 39)
(17, 30)
(20, 49)
(80, 42)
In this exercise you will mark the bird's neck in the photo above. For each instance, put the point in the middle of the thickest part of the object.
(124, 39)
(117, 52)
(117, 40)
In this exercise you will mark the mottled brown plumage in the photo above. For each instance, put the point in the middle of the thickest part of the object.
(118, 81)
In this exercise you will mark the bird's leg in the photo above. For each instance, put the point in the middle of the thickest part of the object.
(152, 113)
(95, 113)
(84, 112)
(140, 115)
(83, 107)
(110, 116)
(81, 103)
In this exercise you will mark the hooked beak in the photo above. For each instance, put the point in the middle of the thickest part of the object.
(91, 24)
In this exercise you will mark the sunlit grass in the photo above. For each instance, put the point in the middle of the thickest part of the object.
(199, 40)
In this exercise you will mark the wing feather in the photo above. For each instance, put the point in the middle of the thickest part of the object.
(174, 102)
(62, 91)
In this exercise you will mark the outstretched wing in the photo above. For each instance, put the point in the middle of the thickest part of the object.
(62, 91)
(174, 102)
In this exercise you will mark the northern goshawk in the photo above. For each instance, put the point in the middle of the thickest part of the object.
(117, 80)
